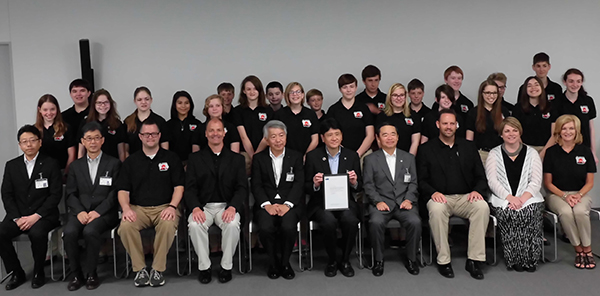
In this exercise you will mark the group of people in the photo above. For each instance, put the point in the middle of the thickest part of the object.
(402, 160)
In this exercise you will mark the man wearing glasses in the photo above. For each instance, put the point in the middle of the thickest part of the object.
(92, 201)
(31, 191)
(150, 187)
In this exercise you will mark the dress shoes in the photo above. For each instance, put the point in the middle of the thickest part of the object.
(346, 269)
(205, 276)
(17, 279)
(446, 270)
(76, 283)
(412, 267)
(474, 269)
(224, 275)
(377, 268)
(273, 272)
(38, 280)
(92, 281)
(287, 272)
(331, 269)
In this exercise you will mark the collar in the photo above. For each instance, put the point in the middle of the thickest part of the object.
(276, 157)
(442, 144)
(33, 160)
(97, 159)
(336, 155)
(389, 155)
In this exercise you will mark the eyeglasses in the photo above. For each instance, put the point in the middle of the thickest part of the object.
(502, 87)
(149, 135)
(295, 92)
(98, 103)
(28, 141)
(490, 93)
(396, 96)
(90, 139)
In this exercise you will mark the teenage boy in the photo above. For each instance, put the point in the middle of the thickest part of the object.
(80, 91)
(227, 91)
(416, 91)
(500, 80)
(541, 66)
(372, 96)
(453, 76)
(274, 91)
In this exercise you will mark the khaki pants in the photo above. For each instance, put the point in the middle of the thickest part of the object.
(478, 214)
(163, 239)
(483, 155)
(362, 158)
(575, 221)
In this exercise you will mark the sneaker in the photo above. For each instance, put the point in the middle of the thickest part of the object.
(156, 278)
(142, 278)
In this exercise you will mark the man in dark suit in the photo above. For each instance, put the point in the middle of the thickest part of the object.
(452, 181)
(278, 188)
(31, 191)
(333, 159)
(391, 188)
(216, 186)
(92, 201)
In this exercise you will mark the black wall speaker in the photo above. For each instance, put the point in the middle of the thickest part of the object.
(87, 72)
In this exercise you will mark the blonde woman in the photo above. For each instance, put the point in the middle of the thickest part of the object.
(397, 113)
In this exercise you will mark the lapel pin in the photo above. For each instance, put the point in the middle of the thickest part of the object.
(324, 159)
(344, 158)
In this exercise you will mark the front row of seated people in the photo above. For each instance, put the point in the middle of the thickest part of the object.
(448, 179)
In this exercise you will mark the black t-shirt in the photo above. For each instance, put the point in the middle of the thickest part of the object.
(231, 135)
(507, 105)
(229, 117)
(490, 138)
(569, 170)
(419, 116)
(353, 122)
(112, 137)
(74, 119)
(584, 108)
(150, 182)
(378, 100)
(57, 147)
(300, 127)
(430, 130)
(133, 139)
(514, 169)
(181, 135)
(536, 125)
(462, 105)
(406, 127)
(253, 122)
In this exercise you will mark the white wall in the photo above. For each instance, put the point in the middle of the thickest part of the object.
(195, 45)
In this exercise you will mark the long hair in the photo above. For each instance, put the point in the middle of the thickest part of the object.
(243, 99)
(60, 128)
(130, 120)
(575, 71)
(496, 113)
(542, 99)
(177, 95)
(389, 110)
(112, 117)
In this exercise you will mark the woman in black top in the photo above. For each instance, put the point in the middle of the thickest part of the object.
(444, 97)
(58, 140)
(213, 108)
(142, 97)
(183, 125)
(569, 169)
(104, 111)
(397, 112)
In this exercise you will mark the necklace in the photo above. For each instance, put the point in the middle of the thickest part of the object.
(512, 154)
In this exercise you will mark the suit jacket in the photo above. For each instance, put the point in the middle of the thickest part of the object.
(379, 185)
(83, 196)
(263, 179)
(19, 194)
(317, 161)
(201, 179)
(432, 171)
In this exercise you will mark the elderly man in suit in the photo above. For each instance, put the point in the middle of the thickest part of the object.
(216, 188)
(390, 182)
(278, 187)
(92, 201)
(333, 159)
(31, 191)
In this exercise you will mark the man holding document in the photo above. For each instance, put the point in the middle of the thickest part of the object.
(332, 174)
(390, 183)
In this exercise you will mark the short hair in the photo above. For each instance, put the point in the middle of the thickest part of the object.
(414, 84)
(273, 124)
(176, 96)
(150, 121)
(561, 121)
(288, 89)
(329, 123)
(512, 122)
(209, 120)
(80, 83)
(447, 90)
(498, 76)
(91, 126)
(274, 84)
(370, 71)
(541, 57)
(447, 111)
(385, 123)
(346, 79)
(28, 128)
(225, 86)
(313, 92)
(207, 102)
(243, 99)
(453, 68)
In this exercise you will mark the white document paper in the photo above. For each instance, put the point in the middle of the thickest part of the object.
(335, 189)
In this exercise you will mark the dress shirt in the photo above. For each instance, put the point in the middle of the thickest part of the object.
(93, 166)
(391, 162)
(334, 161)
(277, 162)
(30, 164)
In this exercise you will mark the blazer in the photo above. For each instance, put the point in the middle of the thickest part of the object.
(263, 179)
(379, 185)
(19, 194)
(83, 196)
(431, 168)
(201, 179)
(317, 162)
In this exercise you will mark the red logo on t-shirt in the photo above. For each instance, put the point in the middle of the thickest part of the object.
(193, 127)
(464, 108)
(59, 138)
(580, 160)
(380, 106)
(306, 123)
(546, 116)
(112, 132)
(358, 114)
(584, 109)
(262, 116)
(550, 97)
(163, 166)
(409, 121)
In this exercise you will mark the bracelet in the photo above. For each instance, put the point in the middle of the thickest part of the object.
(564, 195)
(172, 206)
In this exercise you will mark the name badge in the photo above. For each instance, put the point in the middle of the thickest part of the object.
(550, 97)
(163, 166)
(407, 177)
(580, 160)
(289, 177)
(105, 181)
(409, 121)
(306, 123)
(262, 116)
(41, 183)
(112, 132)
(584, 109)
(381, 106)
(58, 139)
(358, 114)
(193, 127)
(464, 108)
(546, 116)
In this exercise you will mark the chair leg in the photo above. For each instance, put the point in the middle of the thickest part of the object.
(430, 248)
(300, 249)
(250, 247)
(360, 247)
(310, 245)
(554, 219)
(495, 221)
(50, 247)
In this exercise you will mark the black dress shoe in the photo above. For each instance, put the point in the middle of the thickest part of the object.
(205, 276)
(473, 268)
(76, 283)
(39, 279)
(346, 269)
(531, 268)
(517, 268)
(224, 275)
(287, 272)
(377, 268)
(412, 267)
(273, 272)
(92, 282)
(17, 279)
(331, 269)
(446, 270)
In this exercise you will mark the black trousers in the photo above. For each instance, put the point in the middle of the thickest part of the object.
(38, 235)
(410, 220)
(329, 221)
(92, 235)
(278, 234)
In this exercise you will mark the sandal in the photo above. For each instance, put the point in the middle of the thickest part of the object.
(579, 260)
(589, 261)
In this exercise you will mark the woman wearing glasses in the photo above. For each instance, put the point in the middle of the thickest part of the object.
(397, 112)
(142, 97)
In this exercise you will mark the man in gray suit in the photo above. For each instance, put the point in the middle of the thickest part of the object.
(390, 183)
(92, 201)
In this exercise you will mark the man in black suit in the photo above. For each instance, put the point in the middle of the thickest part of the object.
(31, 191)
(92, 201)
(278, 187)
(333, 159)
(452, 181)
(216, 186)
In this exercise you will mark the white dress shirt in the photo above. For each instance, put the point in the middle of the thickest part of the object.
(93, 166)
(30, 164)
(391, 162)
